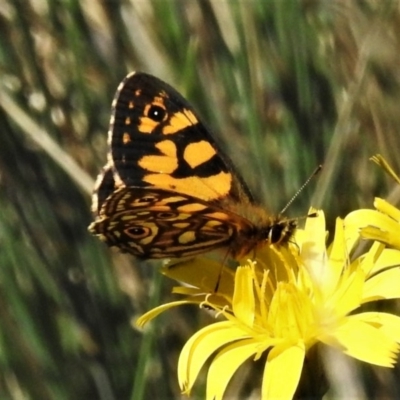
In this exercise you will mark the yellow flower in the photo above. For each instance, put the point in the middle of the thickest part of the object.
(288, 300)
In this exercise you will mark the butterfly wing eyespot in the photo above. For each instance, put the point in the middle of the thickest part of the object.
(156, 113)
(167, 215)
(138, 232)
(168, 190)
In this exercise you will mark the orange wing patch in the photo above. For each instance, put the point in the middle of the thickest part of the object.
(166, 164)
(126, 138)
(209, 188)
(180, 120)
(191, 208)
(187, 237)
(198, 153)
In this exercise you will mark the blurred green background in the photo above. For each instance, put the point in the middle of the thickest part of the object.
(285, 85)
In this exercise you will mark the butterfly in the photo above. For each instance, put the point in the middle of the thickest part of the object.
(168, 190)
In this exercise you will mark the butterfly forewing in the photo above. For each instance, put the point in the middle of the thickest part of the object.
(158, 140)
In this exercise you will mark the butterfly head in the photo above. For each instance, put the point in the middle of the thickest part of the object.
(275, 230)
(281, 231)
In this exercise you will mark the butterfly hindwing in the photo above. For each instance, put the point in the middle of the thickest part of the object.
(104, 187)
(155, 223)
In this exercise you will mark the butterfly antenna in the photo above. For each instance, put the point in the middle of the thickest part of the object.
(315, 172)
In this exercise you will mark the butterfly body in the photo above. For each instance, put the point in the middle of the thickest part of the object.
(167, 189)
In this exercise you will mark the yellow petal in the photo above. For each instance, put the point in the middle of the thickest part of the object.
(282, 372)
(378, 159)
(384, 285)
(352, 224)
(145, 318)
(369, 261)
(225, 365)
(364, 342)
(389, 324)
(203, 273)
(279, 260)
(201, 346)
(387, 259)
(338, 256)
(348, 295)
(359, 219)
(188, 291)
(375, 233)
(243, 298)
(299, 237)
(385, 207)
(374, 224)
(313, 246)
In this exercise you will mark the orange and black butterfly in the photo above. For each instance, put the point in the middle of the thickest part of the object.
(168, 190)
